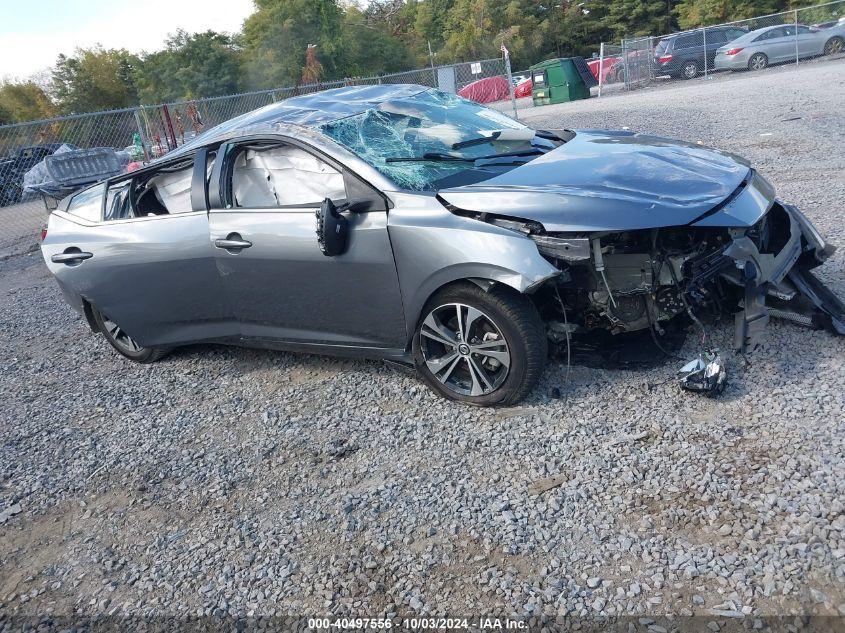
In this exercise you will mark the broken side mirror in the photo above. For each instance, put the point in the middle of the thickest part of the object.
(332, 229)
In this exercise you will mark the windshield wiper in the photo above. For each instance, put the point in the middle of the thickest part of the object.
(498, 135)
(451, 158)
(430, 156)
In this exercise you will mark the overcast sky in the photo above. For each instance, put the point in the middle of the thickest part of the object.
(34, 32)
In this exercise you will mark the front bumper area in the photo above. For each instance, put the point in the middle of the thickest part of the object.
(783, 273)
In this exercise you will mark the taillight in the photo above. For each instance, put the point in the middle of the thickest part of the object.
(44, 234)
(733, 51)
(665, 58)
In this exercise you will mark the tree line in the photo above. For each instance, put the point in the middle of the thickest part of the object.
(285, 42)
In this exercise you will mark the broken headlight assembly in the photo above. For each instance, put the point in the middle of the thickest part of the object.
(565, 248)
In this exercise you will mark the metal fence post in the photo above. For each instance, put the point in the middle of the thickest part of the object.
(510, 80)
(601, 66)
(142, 134)
(796, 38)
(626, 74)
(649, 58)
(704, 38)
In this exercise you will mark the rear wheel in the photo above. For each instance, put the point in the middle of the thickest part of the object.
(482, 348)
(834, 45)
(124, 343)
(10, 194)
(690, 70)
(758, 61)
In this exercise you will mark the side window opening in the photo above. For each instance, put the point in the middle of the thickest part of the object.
(163, 191)
(167, 191)
(88, 203)
(272, 176)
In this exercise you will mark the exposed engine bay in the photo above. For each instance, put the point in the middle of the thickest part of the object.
(635, 280)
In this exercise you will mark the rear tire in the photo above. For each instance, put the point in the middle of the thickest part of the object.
(834, 45)
(758, 61)
(124, 344)
(494, 356)
(690, 70)
(10, 194)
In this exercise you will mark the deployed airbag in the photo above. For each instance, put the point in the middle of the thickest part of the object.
(284, 176)
(173, 190)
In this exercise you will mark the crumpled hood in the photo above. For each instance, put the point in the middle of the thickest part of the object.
(611, 181)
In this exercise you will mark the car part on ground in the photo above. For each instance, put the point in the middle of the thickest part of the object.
(705, 374)
(433, 206)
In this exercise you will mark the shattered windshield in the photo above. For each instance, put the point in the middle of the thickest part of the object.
(432, 139)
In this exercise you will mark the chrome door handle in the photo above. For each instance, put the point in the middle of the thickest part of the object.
(70, 257)
(230, 245)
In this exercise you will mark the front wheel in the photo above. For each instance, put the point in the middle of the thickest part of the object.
(479, 347)
(834, 45)
(124, 343)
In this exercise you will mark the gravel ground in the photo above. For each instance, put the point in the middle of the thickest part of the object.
(228, 481)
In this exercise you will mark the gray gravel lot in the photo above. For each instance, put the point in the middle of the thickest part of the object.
(229, 481)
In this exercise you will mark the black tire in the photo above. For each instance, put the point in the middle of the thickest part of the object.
(834, 45)
(758, 61)
(124, 344)
(515, 320)
(10, 194)
(690, 69)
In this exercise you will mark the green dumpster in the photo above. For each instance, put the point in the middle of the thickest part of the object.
(560, 80)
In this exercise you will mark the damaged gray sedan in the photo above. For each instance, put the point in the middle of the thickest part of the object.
(403, 223)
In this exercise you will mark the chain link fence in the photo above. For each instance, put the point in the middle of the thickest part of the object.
(791, 37)
(147, 132)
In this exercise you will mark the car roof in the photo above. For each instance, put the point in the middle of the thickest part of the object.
(722, 27)
(318, 108)
(756, 32)
(309, 111)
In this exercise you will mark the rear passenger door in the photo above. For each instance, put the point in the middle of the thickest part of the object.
(145, 259)
(282, 287)
(778, 44)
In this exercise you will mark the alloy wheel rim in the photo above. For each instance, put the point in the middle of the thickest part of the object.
(121, 338)
(464, 349)
(691, 70)
(834, 46)
(758, 63)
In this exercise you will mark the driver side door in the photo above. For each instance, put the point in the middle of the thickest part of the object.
(283, 289)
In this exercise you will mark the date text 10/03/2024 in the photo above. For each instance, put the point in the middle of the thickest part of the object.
(417, 624)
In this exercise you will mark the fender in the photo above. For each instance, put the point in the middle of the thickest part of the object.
(433, 247)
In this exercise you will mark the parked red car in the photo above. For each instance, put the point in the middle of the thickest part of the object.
(486, 90)
(523, 88)
(606, 65)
